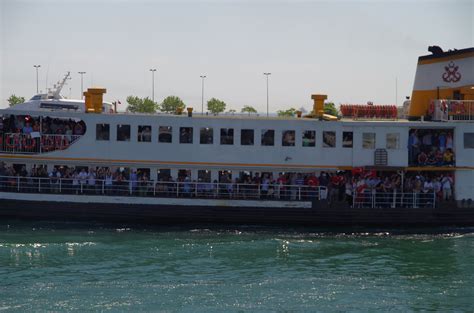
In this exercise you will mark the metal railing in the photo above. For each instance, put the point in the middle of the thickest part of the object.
(374, 199)
(455, 110)
(109, 187)
(17, 143)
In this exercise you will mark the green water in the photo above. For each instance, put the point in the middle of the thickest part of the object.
(71, 267)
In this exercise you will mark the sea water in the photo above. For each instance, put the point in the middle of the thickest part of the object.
(75, 267)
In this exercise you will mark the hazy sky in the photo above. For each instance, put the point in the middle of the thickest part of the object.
(351, 50)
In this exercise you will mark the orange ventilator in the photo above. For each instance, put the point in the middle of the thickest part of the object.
(94, 99)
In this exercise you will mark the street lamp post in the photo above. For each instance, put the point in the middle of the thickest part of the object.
(153, 70)
(82, 87)
(267, 74)
(37, 66)
(202, 93)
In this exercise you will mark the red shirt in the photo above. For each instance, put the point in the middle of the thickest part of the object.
(313, 181)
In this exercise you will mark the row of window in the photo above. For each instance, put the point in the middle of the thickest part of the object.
(247, 136)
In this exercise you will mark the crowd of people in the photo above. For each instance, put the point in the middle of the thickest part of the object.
(431, 147)
(26, 134)
(49, 126)
(357, 187)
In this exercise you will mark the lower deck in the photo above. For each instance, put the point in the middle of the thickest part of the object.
(191, 211)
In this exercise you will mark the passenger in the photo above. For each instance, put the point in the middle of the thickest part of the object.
(265, 186)
(431, 160)
(75, 183)
(54, 180)
(108, 183)
(446, 185)
(448, 157)
(27, 129)
(427, 140)
(442, 142)
(133, 184)
(91, 181)
(348, 192)
(422, 158)
(418, 185)
(428, 190)
(449, 141)
(439, 157)
(187, 187)
(83, 179)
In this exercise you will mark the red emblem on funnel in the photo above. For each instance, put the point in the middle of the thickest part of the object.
(451, 74)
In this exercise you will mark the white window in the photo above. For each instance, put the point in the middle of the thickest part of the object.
(368, 140)
(393, 141)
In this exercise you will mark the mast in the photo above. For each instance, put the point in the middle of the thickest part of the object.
(57, 91)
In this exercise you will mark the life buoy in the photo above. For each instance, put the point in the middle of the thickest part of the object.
(47, 143)
(61, 142)
(12, 142)
(28, 143)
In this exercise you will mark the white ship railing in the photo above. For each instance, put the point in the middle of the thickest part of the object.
(17, 143)
(162, 189)
(374, 199)
(452, 110)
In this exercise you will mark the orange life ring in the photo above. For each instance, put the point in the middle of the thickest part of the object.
(61, 142)
(12, 141)
(47, 143)
(28, 146)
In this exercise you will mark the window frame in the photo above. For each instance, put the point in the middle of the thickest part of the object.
(373, 144)
(170, 128)
(283, 134)
(351, 146)
(226, 136)
(253, 136)
(303, 138)
(108, 132)
(263, 133)
(207, 129)
(464, 140)
(143, 127)
(325, 145)
(119, 126)
(397, 142)
(191, 139)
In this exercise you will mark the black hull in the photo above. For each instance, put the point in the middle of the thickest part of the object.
(320, 214)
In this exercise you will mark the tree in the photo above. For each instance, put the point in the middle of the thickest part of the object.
(216, 106)
(289, 112)
(330, 108)
(139, 105)
(231, 111)
(248, 109)
(171, 104)
(13, 100)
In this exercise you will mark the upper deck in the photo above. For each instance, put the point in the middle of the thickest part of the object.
(225, 141)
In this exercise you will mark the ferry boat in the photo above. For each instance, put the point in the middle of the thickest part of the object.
(83, 160)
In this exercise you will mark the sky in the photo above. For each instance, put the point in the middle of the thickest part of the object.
(353, 51)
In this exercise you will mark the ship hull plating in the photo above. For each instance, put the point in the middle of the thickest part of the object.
(315, 213)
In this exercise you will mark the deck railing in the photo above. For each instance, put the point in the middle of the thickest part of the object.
(455, 110)
(374, 199)
(161, 189)
(205, 190)
(17, 143)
